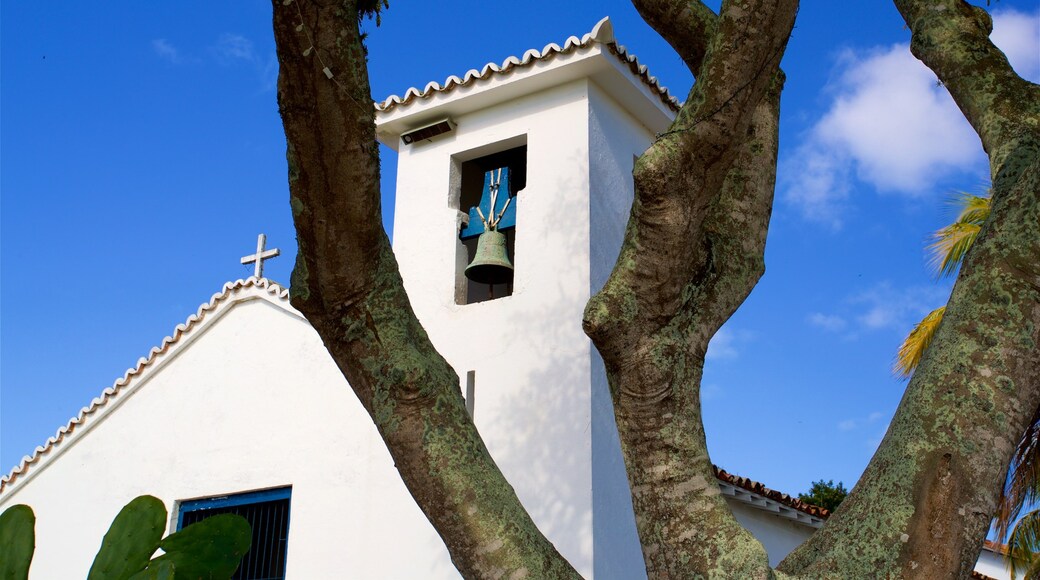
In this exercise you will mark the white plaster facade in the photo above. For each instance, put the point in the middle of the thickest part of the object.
(245, 397)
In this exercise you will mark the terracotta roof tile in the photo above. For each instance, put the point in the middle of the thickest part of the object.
(760, 489)
(602, 33)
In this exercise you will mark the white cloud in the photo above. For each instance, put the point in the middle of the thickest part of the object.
(726, 343)
(852, 424)
(232, 47)
(889, 124)
(828, 322)
(722, 345)
(710, 392)
(1018, 35)
(885, 307)
(166, 51)
(893, 127)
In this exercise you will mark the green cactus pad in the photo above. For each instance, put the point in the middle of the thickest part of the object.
(131, 540)
(17, 542)
(211, 549)
(157, 571)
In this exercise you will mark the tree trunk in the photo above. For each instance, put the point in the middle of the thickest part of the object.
(692, 253)
(924, 504)
(346, 282)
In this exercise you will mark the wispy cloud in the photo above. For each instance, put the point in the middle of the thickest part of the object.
(859, 422)
(886, 307)
(1018, 35)
(166, 50)
(892, 126)
(235, 49)
(710, 392)
(828, 322)
(232, 47)
(724, 345)
(881, 307)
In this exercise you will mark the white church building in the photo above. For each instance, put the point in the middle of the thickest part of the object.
(242, 409)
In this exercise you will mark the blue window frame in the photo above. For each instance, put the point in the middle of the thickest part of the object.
(267, 512)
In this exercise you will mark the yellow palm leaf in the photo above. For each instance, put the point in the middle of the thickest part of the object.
(916, 343)
(952, 242)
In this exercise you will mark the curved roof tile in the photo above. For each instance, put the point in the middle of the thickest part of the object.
(602, 33)
(143, 363)
(761, 489)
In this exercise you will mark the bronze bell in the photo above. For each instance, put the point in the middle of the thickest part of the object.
(491, 262)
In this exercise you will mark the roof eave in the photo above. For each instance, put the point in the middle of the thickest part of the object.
(596, 56)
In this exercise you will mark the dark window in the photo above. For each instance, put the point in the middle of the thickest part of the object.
(267, 513)
(510, 167)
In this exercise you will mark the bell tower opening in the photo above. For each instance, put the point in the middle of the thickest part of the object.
(487, 189)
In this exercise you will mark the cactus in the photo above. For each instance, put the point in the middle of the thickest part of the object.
(17, 542)
(212, 548)
(160, 571)
(131, 540)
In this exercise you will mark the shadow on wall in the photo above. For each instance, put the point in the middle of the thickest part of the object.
(544, 427)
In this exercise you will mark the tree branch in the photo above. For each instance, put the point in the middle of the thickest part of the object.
(951, 37)
(346, 282)
(691, 254)
(940, 467)
(686, 26)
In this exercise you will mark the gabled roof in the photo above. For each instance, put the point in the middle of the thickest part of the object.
(739, 488)
(602, 33)
(233, 292)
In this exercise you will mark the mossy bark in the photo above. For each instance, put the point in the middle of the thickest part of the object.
(346, 282)
(923, 506)
(693, 250)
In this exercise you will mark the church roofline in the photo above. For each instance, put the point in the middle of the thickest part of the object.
(497, 83)
(233, 293)
(739, 488)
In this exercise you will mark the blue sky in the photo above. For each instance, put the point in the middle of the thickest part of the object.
(142, 153)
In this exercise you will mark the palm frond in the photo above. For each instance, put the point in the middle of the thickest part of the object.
(916, 343)
(1024, 547)
(1022, 486)
(974, 209)
(949, 247)
(951, 243)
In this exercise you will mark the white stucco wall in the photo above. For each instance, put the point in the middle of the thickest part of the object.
(255, 402)
(779, 536)
(532, 398)
(993, 565)
(615, 140)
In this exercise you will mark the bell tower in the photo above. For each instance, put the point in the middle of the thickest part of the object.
(513, 190)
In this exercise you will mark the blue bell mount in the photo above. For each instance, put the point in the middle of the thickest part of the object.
(508, 219)
(494, 212)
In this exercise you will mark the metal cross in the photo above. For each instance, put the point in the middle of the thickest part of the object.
(260, 256)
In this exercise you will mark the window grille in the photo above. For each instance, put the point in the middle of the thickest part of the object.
(267, 512)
